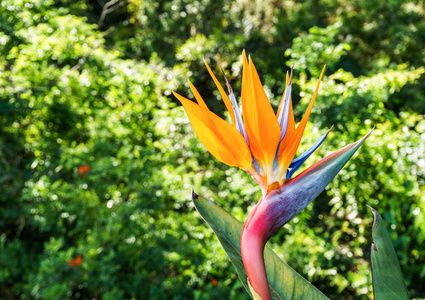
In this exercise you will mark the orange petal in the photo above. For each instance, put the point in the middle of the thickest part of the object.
(290, 144)
(223, 95)
(245, 84)
(248, 105)
(220, 138)
(263, 129)
(198, 97)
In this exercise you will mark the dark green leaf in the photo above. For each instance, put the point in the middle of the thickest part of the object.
(388, 282)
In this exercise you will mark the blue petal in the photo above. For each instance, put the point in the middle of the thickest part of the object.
(238, 116)
(296, 163)
(284, 111)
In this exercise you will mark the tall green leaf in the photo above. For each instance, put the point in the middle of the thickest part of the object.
(284, 282)
(388, 282)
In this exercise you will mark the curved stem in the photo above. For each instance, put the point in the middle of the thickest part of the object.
(253, 240)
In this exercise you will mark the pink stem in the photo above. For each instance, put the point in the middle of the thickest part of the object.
(253, 240)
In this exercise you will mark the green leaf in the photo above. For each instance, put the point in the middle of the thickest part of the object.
(284, 282)
(388, 282)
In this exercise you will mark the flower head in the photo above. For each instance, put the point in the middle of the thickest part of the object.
(263, 143)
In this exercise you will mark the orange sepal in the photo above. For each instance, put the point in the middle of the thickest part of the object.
(220, 138)
(198, 97)
(248, 105)
(264, 130)
(223, 95)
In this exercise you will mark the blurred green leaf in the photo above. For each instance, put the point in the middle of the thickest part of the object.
(73, 94)
(388, 282)
(284, 282)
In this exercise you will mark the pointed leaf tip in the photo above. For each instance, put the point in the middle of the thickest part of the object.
(194, 195)
(375, 217)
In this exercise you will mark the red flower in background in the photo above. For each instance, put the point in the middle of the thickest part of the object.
(214, 282)
(83, 170)
(75, 262)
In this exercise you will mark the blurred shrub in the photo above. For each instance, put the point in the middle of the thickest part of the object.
(72, 95)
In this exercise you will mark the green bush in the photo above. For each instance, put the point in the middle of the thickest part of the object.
(72, 95)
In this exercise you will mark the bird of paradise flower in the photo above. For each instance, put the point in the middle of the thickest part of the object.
(264, 144)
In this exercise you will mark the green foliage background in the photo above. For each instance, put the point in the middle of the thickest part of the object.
(74, 93)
